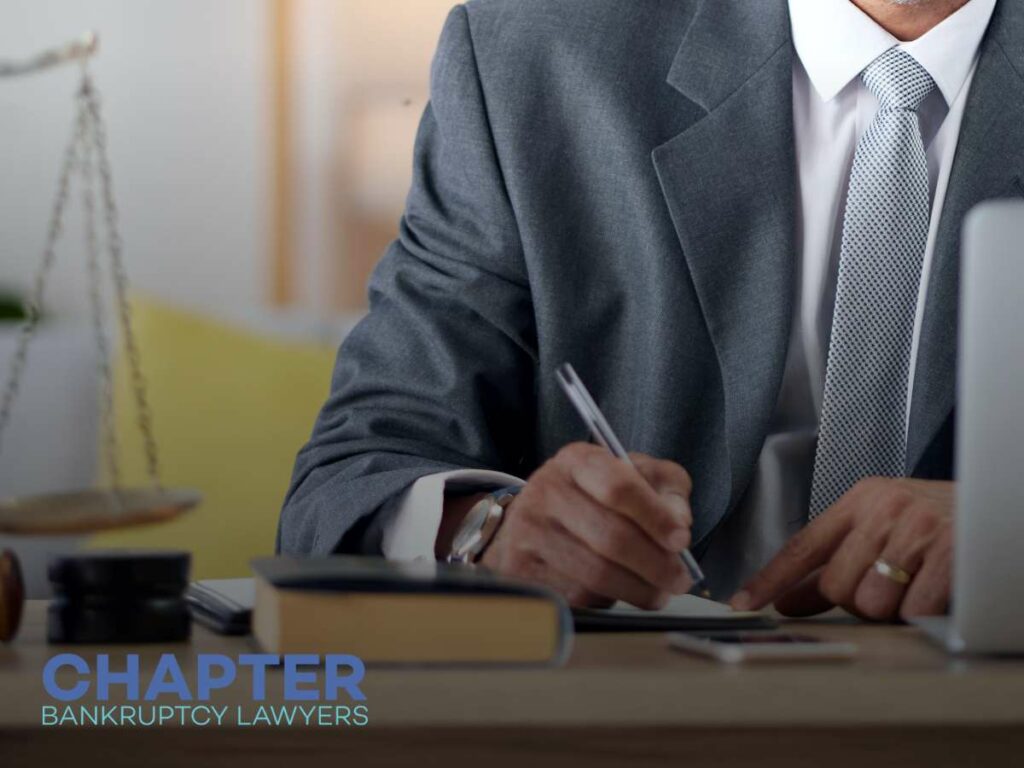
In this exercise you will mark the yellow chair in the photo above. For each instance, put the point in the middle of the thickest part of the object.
(230, 410)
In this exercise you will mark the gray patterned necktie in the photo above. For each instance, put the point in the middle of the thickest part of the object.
(862, 430)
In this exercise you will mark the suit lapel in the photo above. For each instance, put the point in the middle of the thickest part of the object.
(989, 163)
(729, 183)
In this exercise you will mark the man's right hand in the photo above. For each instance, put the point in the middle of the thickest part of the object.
(598, 530)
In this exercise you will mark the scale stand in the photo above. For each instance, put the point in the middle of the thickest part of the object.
(97, 509)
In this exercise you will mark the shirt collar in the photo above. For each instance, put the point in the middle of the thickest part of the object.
(835, 41)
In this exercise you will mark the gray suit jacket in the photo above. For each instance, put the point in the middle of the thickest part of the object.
(610, 183)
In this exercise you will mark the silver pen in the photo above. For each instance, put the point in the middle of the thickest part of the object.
(602, 431)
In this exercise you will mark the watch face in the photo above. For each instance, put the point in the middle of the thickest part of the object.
(469, 532)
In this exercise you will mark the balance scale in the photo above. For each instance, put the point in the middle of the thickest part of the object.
(85, 161)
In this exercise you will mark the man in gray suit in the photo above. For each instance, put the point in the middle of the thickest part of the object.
(740, 222)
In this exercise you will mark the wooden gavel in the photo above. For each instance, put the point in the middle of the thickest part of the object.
(12, 595)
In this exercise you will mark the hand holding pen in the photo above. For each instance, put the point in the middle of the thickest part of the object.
(599, 427)
(599, 529)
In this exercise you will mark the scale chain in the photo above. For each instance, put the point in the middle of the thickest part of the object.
(34, 301)
(143, 416)
(88, 123)
(96, 300)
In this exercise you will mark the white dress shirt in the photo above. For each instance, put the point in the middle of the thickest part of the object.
(834, 42)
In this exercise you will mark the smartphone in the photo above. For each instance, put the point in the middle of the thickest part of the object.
(734, 647)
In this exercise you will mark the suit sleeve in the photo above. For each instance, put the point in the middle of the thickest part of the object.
(440, 374)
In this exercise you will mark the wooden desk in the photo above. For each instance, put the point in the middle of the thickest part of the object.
(622, 700)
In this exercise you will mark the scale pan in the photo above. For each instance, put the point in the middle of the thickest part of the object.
(97, 510)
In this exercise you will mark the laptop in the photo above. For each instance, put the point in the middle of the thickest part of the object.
(986, 614)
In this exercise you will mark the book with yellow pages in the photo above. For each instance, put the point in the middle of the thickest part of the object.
(416, 612)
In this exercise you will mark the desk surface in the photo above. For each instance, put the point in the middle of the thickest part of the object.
(618, 683)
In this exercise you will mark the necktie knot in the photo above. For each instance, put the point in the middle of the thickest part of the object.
(898, 80)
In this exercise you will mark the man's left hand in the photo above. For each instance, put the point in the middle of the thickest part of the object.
(900, 526)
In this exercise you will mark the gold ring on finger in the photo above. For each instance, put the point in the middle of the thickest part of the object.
(892, 572)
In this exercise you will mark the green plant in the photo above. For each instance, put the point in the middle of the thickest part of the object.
(12, 309)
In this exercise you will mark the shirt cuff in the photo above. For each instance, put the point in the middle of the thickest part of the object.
(411, 520)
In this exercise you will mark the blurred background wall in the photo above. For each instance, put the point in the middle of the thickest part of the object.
(189, 111)
(261, 152)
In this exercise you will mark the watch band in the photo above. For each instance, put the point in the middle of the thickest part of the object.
(481, 525)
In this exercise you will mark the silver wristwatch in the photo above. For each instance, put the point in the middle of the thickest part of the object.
(481, 524)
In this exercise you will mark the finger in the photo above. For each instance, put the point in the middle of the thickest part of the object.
(879, 597)
(851, 561)
(662, 474)
(805, 599)
(669, 480)
(620, 487)
(591, 575)
(929, 592)
(619, 539)
(805, 552)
